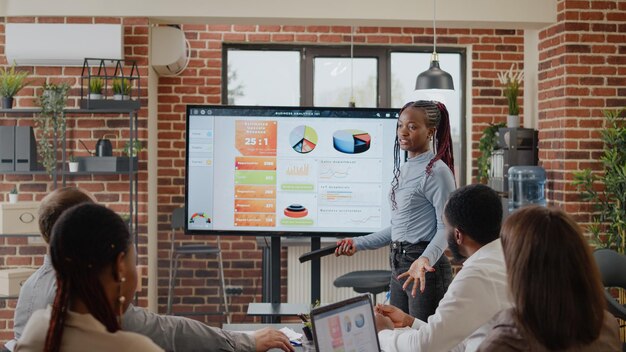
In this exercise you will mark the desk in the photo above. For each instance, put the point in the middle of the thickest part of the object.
(278, 309)
(253, 327)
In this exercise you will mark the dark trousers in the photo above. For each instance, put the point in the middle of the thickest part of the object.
(423, 305)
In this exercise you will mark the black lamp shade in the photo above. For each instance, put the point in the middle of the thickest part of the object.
(434, 78)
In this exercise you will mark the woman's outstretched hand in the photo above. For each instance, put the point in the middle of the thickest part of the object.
(345, 247)
(417, 275)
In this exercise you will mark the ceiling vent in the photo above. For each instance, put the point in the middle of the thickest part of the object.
(169, 50)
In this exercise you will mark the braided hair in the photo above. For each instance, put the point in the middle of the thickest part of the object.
(86, 240)
(436, 117)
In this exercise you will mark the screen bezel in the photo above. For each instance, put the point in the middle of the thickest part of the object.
(265, 109)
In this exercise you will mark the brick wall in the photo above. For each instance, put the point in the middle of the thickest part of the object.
(574, 85)
(582, 70)
(111, 190)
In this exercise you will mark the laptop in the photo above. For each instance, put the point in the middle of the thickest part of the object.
(346, 326)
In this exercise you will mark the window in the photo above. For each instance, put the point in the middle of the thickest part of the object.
(285, 75)
(263, 78)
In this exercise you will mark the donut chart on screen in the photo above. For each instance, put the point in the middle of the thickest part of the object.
(296, 211)
(351, 141)
(303, 139)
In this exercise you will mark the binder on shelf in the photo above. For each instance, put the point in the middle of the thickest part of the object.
(25, 149)
(7, 148)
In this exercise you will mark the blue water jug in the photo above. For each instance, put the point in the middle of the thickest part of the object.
(526, 186)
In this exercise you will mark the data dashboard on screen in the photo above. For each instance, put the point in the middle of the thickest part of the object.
(288, 170)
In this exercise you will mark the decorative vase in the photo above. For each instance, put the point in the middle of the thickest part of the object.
(7, 102)
(73, 166)
(121, 97)
(12, 198)
(512, 121)
(95, 96)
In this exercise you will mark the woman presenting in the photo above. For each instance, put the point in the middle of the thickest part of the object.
(419, 191)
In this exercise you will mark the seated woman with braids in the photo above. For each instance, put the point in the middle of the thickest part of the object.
(93, 255)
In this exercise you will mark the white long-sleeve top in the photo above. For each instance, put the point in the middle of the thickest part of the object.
(465, 313)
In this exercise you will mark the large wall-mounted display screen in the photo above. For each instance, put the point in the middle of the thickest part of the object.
(285, 170)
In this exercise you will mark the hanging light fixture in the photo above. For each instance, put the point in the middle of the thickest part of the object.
(434, 77)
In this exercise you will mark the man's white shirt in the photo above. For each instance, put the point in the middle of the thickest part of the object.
(464, 315)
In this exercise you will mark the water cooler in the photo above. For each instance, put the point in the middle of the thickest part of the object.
(526, 186)
(516, 147)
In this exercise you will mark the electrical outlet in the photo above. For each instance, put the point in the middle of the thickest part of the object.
(234, 290)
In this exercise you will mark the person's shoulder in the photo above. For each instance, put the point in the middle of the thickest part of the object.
(505, 335)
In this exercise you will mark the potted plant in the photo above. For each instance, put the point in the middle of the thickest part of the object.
(95, 88)
(11, 82)
(511, 81)
(51, 122)
(73, 164)
(137, 148)
(609, 222)
(487, 145)
(13, 195)
(121, 88)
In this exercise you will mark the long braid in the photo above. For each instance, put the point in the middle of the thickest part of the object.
(396, 173)
(58, 317)
(442, 143)
(395, 183)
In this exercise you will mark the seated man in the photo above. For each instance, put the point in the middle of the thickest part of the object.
(169, 332)
(473, 216)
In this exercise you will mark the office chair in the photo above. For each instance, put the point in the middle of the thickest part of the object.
(365, 281)
(178, 223)
(612, 267)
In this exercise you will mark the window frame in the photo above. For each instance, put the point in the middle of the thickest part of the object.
(309, 52)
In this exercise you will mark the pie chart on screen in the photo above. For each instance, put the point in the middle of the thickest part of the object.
(303, 139)
(351, 141)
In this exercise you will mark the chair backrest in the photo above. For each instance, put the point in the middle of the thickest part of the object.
(612, 267)
(178, 218)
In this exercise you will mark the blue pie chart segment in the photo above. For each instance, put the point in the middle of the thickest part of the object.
(351, 141)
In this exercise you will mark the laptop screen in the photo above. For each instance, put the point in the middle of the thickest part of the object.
(346, 326)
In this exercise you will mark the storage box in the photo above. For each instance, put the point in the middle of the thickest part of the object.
(19, 218)
(105, 163)
(11, 280)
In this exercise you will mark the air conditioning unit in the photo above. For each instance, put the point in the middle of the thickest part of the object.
(60, 44)
(168, 50)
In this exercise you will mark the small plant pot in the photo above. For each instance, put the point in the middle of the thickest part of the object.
(7, 102)
(95, 96)
(512, 121)
(12, 198)
(73, 166)
(121, 97)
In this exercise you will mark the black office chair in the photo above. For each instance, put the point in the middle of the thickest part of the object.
(178, 223)
(612, 267)
(365, 281)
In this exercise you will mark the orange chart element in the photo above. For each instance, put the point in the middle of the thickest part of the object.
(296, 211)
(255, 205)
(247, 219)
(256, 137)
(255, 163)
(255, 191)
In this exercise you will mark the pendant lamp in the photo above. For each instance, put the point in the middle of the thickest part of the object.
(434, 77)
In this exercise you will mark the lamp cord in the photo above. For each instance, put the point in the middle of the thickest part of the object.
(434, 27)
(352, 102)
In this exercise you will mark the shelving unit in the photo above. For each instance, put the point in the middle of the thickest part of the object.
(65, 175)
